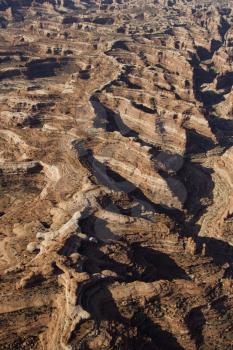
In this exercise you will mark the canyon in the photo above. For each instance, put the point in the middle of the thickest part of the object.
(116, 175)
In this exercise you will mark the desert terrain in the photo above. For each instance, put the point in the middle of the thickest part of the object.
(116, 175)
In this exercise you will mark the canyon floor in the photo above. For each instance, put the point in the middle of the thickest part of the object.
(116, 175)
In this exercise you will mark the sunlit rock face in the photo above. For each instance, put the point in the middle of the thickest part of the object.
(116, 175)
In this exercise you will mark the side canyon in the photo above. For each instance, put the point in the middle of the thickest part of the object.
(116, 175)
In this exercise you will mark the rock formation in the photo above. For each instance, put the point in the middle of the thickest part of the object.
(116, 175)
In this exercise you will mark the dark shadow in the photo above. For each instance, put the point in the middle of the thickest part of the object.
(109, 178)
(11, 73)
(71, 246)
(203, 53)
(169, 163)
(35, 281)
(95, 297)
(219, 250)
(200, 77)
(219, 305)
(155, 265)
(159, 339)
(143, 108)
(96, 261)
(120, 45)
(223, 28)
(126, 206)
(45, 224)
(56, 270)
(225, 82)
(103, 20)
(124, 77)
(70, 20)
(158, 265)
(228, 273)
(35, 121)
(70, 4)
(195, 321)
(224, 11)
(97, 227)
(215, 45)
(210, 98)
(129, 84)
(84, 74)
(40, 68)
(197, 143)
(110, 121)
(35, 169)
(199, 184)
(223, 130)
(175, 185)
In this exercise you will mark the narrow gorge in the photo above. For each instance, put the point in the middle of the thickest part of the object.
(116, 175)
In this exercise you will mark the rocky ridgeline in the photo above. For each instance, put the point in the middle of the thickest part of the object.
(116, 175)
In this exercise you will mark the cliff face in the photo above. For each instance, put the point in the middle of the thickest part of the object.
(116, 175)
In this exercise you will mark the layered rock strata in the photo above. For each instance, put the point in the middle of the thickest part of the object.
(116, 175)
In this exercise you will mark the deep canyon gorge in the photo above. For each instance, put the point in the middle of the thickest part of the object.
(116, 175)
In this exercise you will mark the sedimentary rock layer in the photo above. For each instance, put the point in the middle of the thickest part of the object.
(116, 176)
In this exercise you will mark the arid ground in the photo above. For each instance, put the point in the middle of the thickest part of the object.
(116, 175)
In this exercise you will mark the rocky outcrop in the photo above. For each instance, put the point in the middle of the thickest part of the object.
(116, 175)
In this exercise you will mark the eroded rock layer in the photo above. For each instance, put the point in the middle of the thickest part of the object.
(116, 175)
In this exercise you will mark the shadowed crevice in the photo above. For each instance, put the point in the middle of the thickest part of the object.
(195, 321)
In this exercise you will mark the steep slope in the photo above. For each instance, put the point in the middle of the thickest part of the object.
(116, 178)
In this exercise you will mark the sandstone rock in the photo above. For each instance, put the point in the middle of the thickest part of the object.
(33, 247)
(116, 205)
